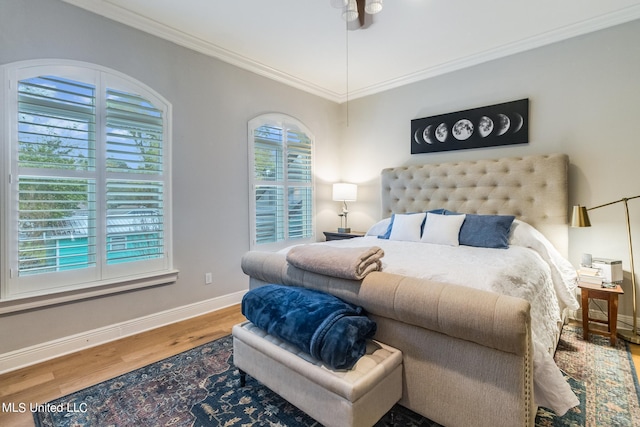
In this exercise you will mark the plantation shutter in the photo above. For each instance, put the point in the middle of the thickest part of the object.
(88, 182)
(299, 176)
(134, 185)
(56, 189)
(282, 182)
(269, 190)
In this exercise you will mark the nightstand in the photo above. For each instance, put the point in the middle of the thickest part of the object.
(610, 295)
(334, 235)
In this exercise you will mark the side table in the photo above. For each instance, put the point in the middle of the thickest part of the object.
(334, 235)
(589, 290)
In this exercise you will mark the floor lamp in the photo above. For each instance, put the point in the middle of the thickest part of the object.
(580, 218)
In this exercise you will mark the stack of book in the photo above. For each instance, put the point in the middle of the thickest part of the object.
(590, 275)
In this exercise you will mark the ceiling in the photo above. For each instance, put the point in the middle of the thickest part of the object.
(305, 43)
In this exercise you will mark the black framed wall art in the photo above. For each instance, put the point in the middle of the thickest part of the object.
(499, 124)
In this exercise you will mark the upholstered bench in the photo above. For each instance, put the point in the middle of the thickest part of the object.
(356, 397)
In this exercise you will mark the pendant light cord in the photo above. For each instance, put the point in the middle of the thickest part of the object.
(347, 67)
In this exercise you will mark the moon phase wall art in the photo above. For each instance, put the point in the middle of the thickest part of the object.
(500, 124)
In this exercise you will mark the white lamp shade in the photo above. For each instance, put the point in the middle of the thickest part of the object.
(344, 192)
(373, 6)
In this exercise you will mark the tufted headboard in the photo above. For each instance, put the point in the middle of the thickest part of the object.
(533, 188)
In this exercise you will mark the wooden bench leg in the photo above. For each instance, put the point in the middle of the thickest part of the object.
(243, 377)
(392, 418)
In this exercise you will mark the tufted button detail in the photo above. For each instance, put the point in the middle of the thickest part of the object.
(528, 187)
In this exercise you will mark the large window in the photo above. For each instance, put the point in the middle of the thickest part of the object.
(88, 191)
(281, 168)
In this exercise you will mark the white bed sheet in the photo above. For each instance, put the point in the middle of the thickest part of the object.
(530, 269)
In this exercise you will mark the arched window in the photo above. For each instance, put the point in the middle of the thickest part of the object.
(89, 184)
(281, 181)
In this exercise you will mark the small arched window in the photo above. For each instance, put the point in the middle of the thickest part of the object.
(281, 181)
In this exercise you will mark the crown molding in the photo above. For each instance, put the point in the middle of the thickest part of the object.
(622, 16)
(126, 17)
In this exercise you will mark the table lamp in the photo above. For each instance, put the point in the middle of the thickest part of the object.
(580, 218)
(343, 192)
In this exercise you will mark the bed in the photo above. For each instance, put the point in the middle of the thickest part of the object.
(476, 329)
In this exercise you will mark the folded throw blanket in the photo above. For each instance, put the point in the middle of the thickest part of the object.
(329, 329)
(346, 263)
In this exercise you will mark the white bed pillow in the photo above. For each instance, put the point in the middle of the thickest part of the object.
(379, 227)
(442, 229)
(407, 227)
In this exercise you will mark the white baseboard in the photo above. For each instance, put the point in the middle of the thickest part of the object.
(49, 350)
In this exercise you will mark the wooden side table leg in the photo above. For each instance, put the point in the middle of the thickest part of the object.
(613, 318)
(585, 314)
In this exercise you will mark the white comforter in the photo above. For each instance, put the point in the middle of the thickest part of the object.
(530, 268)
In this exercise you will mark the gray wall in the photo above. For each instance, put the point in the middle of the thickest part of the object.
(584, 96)
(584, 100)
(212, 102)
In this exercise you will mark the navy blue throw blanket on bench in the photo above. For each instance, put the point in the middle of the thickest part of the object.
(329, 329)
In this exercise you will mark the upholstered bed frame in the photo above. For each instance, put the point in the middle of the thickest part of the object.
(532, 188)
(467, 353)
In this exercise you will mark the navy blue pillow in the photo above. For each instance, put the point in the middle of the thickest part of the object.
(485, 231)
(387, 233)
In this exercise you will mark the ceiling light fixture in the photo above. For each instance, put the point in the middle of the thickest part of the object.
(351, 9)
(373, 6)
(350, 12)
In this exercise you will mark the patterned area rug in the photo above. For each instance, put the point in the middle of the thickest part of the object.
(200, 388)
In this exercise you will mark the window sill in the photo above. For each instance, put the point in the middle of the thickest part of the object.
(113, 287)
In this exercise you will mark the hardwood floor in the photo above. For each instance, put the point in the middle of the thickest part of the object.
(58, 377)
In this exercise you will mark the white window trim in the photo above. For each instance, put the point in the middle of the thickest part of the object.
(162, 274)
(279, 119)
